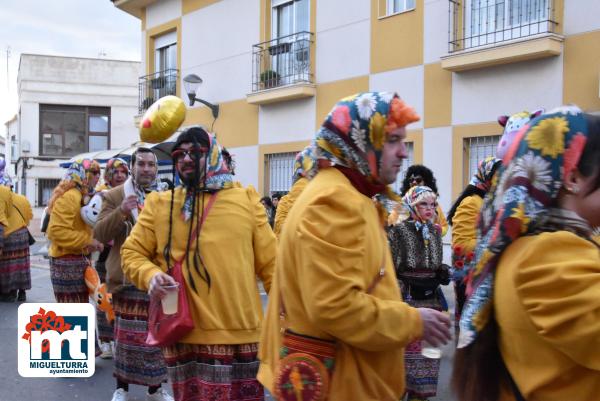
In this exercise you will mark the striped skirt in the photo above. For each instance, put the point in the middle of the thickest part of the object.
(214, 372)
(67, 276)
(105, 329)
(14, 262)
(135, 362)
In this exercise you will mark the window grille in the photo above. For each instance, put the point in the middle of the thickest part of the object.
(45, 188)
(476, 149)
(279, 168)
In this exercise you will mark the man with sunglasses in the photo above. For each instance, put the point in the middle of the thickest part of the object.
(120, 209)
(218, 234)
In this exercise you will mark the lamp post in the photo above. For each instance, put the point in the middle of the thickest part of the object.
(191, 83)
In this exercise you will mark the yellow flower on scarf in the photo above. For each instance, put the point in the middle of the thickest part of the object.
(482, 317)
(549, 136)
(323, 144)
(485, 257)
(377, 130)
(519, 214)
(214, 157)
(349, 98)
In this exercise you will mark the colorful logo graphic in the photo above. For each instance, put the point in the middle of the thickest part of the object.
(56, 340)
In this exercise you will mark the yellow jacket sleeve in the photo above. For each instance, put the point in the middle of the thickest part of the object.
(332, 236)
(286, 203)
(137, 252)
(441, 220)
(65, 212)
(5, 205)
(558, 283)
(464, 224)
(263, 240)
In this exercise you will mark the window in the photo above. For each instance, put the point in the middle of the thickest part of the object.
(399, 6)
(69, 130)
(165, 52)
(45, 188)
(406, 163)
(475, 150)
(289, 16)
(279, 168)
(14, 148)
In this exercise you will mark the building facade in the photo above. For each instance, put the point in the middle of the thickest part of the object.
(276, 68)
(67, 106)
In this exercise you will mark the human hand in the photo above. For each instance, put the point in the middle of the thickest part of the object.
(93, 246)
(128, 204)
(155, 288)
(436, 326)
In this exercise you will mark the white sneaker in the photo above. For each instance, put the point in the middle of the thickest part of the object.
(120, 395)
(160, 395)
(106, 349)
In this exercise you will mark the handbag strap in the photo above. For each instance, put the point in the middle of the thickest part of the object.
(20, 213)
(196, 232)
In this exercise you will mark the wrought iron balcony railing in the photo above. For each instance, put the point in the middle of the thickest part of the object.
(282, 61)
(475, 23)
(154, 86)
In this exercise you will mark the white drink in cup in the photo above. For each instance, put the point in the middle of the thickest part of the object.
(429, 351)
(169, 301)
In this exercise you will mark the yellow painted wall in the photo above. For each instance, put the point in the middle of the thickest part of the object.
(188, 6)
(416, 137)
(237, 124)
(330, 93)
(438, 96)
(459, 162)
(582, 70)
(270, 149)
(397, 40)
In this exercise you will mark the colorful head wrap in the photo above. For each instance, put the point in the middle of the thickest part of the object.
(355, 131)
(111, 166)
(482, 179)
(81, 172)
(304, 165)
(410, 200)
(4, 178)
(522, 202)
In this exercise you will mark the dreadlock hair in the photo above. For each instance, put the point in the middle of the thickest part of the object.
(418, 169)
(199, 138)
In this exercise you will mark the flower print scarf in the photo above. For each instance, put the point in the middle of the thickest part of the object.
(521, 203)
(410, 200)
(482, 179)
(81, 172)
(304, 164)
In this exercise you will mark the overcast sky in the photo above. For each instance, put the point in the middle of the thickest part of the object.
(78, 28)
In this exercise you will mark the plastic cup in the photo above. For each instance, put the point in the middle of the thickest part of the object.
(169, 301)
(429, 351)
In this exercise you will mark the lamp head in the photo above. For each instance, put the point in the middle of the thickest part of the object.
(191, 83)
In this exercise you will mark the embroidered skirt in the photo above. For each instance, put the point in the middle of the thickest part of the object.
(201, 372)
(105, 329)
(135, 362)
(67, 276)
(14, 262)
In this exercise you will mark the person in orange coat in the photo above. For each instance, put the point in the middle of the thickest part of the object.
(530, 329)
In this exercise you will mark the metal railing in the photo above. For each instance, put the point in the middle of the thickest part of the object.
(282, 61)
(475, 23)
(154, 86)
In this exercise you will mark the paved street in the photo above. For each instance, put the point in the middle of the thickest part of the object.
(100, 386)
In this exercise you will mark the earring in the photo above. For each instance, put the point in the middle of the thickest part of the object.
(574, 189)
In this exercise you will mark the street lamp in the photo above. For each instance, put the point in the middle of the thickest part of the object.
(191, 83)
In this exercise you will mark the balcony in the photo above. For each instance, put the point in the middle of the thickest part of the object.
(483, 33)
(282, 69)
(154, 86)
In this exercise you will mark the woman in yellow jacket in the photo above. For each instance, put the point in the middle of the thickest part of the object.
(70, 237)
(530, 329)
(463, 219)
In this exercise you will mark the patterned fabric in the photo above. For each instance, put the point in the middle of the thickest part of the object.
(67, 276)
(533, 170)
(111, 166)
(355, 131)
(14, 262)
(482, 179)
(4, 178)
(135, 362)
(304, 165)
(410, 200)
(105, 329)
(218, 175)
(214, 372)
(81, 172)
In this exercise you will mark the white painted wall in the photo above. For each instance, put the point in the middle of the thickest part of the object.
(287, 121)
(332, 14)
(246, 162)
(482, 95)
(161, 12)
(407, 82)
(437, 155)
(343, 52)
(581, 16)
(123, 132)
(435, 39)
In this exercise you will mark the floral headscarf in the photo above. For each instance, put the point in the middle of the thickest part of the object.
(482, 179)
(533, 171)
(304, 165)
(218, 175)
(355, 131)
(81, 172)
(111, 167)
(4, 179)
(410, 200)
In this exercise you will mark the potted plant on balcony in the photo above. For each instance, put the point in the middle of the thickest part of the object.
(158, 83)
(269, 79)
